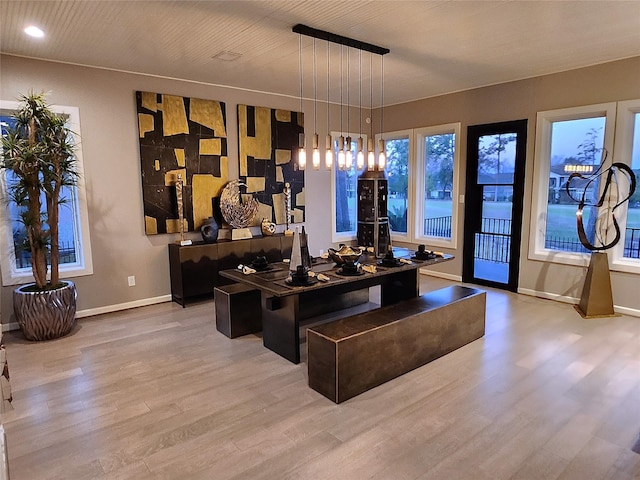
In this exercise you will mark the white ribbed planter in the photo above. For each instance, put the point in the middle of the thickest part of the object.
(48, 314)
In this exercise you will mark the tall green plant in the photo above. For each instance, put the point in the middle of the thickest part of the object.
(39, 151)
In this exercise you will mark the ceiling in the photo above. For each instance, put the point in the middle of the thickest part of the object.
(437, 47)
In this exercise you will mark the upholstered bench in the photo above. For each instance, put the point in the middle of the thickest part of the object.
(354, 354)
(238, 309)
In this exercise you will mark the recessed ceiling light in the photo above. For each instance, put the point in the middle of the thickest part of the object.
(227, 56)
(34, 31)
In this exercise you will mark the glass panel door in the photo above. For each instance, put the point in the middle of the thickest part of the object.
(493, 213)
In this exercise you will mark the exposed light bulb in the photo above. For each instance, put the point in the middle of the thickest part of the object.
(360, 157)
(315, 158)
(302, 158)
(328, 157)
(382, 157)
(348, 154)
(341, 155)
(371, 155)
(302, 152)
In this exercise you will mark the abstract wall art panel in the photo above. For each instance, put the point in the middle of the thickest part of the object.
(180, 135)
(267, 140)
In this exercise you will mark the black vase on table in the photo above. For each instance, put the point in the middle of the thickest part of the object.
(209, 230)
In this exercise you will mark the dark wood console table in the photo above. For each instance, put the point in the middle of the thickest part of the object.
(285, 306)
(194, 268)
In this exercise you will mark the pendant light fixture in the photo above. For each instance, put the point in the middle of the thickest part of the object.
(328, 158)
(302, 153)
(315, 159)
(345, 150)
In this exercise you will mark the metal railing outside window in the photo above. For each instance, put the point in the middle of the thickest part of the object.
(493, 243)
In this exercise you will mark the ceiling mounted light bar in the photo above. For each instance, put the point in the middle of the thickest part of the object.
(339, 39)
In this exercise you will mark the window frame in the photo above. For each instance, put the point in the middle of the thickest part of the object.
(420, 135)
(400, 135)
(342, 237)
(623, 150)
(542, 168)
(11, 275)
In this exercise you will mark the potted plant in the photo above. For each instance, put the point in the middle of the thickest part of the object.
(38, 155)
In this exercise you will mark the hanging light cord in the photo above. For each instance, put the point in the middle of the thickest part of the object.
(348, 92)
(341, 80)
(382, 97)
(300, 68)
(328, 74)
(371, 94)
(315, 90)
(360, 85)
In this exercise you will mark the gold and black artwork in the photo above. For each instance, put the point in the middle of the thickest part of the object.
(180, 136)
(267, 141)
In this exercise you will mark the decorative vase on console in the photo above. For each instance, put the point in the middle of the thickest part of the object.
(209, 230)
(267, 227)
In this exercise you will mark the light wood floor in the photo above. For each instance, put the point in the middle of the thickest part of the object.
(157, 392)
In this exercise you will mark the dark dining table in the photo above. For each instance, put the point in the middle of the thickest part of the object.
(285, 306)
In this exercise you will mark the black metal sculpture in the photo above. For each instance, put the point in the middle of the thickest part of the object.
(611, 173)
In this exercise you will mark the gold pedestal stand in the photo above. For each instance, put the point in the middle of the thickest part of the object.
(241, 234)
(597, 299)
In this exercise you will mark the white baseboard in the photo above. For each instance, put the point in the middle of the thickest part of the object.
(446, 276)
(548, 296)
(106, 309)
(632, 312)
(122, 306)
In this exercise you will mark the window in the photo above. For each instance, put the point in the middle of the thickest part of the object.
(398, 150)
(75, 248)
(422, 171)
(437, 185)
(567, 141)
(344, 186)
(626, 255)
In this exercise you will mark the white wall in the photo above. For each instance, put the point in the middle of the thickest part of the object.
(609, 82)
(106, 100)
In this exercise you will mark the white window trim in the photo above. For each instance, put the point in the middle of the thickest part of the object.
(10, 275)
(421, 134)
(411, 191)
(342, 237)
(625, 124)
(542, 157)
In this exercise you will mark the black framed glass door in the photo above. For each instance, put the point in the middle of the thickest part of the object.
(494, 193)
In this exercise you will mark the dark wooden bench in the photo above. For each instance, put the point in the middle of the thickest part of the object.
(354, 354)
(238, 309)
